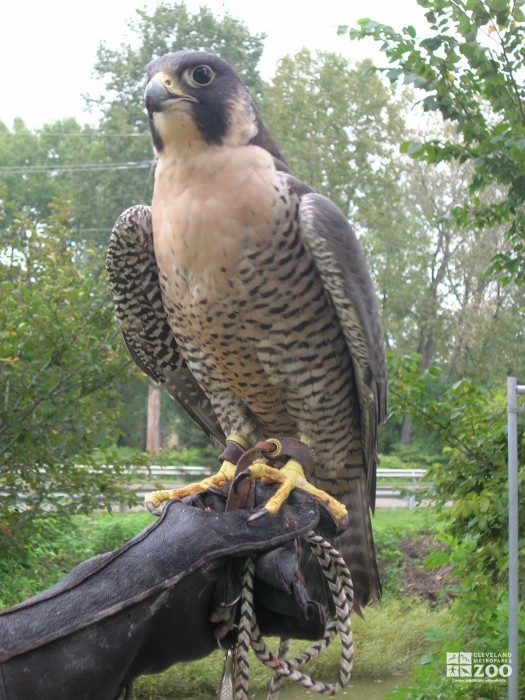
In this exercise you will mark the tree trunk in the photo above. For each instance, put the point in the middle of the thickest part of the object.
(153, 430)
(406, 430)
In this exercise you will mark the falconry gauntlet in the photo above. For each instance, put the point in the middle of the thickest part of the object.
(150, 603)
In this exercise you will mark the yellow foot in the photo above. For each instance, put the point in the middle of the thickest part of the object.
(290, 476)
(155, 499)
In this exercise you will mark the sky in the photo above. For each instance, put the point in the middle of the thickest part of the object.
(48, 47)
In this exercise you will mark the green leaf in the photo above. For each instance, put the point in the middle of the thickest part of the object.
(393, 73)
(369, 25)
(431, 44)
(411, 148)
(499, 5)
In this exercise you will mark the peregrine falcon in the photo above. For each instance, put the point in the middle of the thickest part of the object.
(246, 293)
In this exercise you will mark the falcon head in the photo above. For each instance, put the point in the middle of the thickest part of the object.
(194, 97)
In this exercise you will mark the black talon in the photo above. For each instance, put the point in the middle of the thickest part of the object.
(213, 491)
(240, 477)
(154, 510)
(262, 513)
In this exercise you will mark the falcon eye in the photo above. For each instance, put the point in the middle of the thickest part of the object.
(200, 76)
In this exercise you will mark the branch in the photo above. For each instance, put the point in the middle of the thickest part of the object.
(445, 428)
(515, 88)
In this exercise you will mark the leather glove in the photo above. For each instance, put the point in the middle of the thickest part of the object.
(150, 603)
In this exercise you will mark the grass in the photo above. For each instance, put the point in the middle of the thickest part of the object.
(389, 642)
(391, 526)
(58, 547)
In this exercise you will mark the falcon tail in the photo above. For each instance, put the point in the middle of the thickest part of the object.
(356, 545)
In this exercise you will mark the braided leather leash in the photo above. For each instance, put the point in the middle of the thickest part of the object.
(236, 676)
(238, 673)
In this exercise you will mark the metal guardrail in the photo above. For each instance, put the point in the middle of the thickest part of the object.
(171, 475)
(182, 470)
(414, 474)
(171, 472)
(412, 479)
(156, 476)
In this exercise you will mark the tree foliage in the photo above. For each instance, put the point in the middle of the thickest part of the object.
(26, 182)
(449, 309)
(470, 66)
(59, 360)
(170, 27)
(340, 127)
(100, 172)
(469, 488)
(106, 168)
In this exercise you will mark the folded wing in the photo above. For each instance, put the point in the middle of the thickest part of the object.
(134, 284)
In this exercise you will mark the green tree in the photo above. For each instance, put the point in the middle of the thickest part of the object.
(469, 488)
(170, 27)
(25, 180)
(100, 172)
(59, 360)
(450, 310)
(469, 65)
(339, 126)
(103, 169)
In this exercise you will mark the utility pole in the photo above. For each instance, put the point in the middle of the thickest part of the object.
(513, 390)
(153, 429)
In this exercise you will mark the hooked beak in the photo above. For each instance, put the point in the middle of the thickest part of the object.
(162, 92)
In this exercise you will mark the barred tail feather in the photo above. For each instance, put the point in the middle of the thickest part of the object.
(356, 545)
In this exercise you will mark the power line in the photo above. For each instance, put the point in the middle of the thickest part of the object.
(92, 230)
(82, 134)
(74, 168)
(91, 135)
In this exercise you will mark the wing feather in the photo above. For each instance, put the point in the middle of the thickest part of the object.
(134, 284)
(338, 256)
